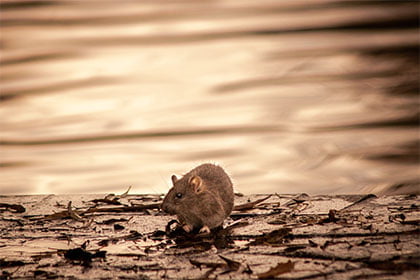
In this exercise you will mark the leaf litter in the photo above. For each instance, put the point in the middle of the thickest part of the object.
(309, 239)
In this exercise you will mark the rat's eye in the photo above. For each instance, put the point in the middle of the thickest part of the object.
(178, 195)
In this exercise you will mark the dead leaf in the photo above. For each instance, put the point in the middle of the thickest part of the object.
(300, 198)
(110, 198)
(279, 269)
(113, 221)
(55, 216)
(272, 238)
(124, 194)
(312, 243)
(236, 225)
(250, 205)
(134, 235)
(231, 264)
(332, 217)
(137, 208)
(4, 263)
(107, 201)
(73, 214)
(118, 227)
(82, 255)
(364, 199)
(397, 265)
(206, 264)
(15, 207)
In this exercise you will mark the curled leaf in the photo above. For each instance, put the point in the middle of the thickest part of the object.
(126, 193)
(73, 214)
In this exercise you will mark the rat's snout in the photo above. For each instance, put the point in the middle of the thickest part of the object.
(164, 207)
(167, 207)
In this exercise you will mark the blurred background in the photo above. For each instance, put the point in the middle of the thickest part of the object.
(295, 96)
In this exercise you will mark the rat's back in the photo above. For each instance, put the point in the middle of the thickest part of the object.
(217, 182)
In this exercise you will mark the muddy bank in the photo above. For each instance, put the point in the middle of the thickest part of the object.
(266, 237)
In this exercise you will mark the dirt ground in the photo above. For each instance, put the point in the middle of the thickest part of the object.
(266, 237)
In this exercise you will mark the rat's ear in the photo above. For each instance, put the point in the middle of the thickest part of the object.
(197, 184)
(174, 179)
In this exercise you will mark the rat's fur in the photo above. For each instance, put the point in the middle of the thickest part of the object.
(206, 197)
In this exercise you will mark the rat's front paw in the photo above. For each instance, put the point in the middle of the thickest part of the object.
(205, 229)
(187, 228)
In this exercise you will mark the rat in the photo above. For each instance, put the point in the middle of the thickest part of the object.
(201, 199)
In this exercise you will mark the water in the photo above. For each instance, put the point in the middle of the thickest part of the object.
(288, 96)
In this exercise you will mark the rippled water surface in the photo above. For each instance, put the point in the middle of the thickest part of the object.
(289, 96)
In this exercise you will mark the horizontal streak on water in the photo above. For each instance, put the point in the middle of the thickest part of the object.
(141, 135)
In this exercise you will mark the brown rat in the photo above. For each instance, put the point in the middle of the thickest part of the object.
(202, 198)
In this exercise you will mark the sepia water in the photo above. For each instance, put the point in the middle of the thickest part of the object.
(288, 96)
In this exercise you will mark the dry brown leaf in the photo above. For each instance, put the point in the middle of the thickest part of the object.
(73, 214)
(250, 205)
(15, 207)
(279, 269)
(272, 238)
(232, 265)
